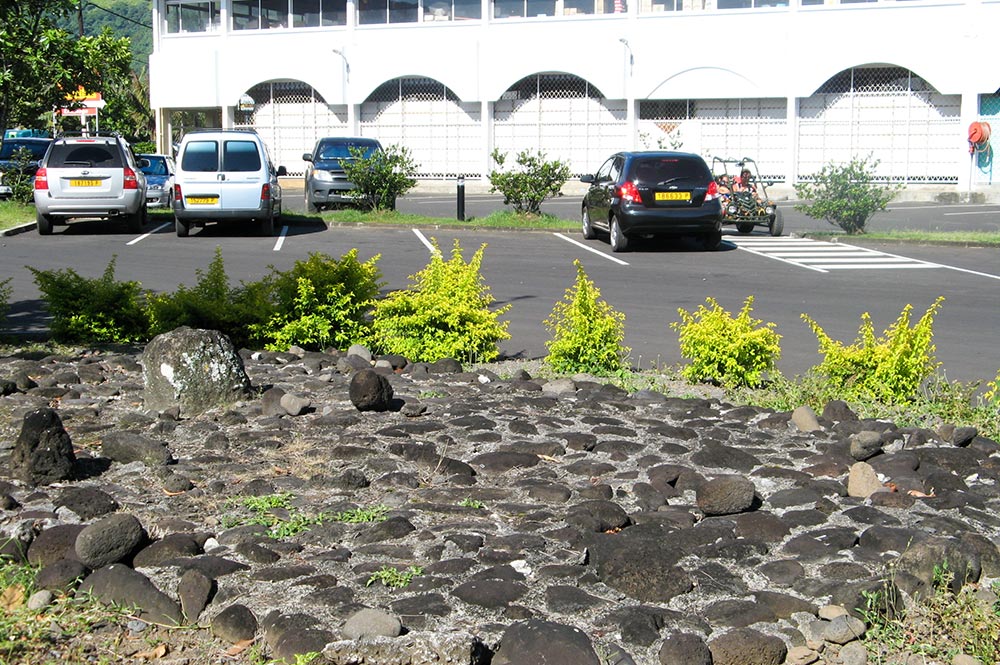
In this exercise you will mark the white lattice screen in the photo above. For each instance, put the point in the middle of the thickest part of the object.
(563, 116)
(290, 116)
(443, 134)
(887, 112)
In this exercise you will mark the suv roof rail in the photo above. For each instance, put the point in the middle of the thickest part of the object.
(88, 135)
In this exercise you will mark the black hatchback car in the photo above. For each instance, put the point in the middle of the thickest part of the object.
(646, 194)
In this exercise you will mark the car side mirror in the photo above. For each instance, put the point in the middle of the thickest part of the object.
(587, 177)
(143, 163)
(282, 171)
(307, 157)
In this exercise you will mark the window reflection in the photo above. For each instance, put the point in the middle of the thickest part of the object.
(192, 16)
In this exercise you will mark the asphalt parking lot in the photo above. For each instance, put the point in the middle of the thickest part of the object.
(530, 270)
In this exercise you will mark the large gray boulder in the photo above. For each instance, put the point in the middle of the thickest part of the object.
(195, 370)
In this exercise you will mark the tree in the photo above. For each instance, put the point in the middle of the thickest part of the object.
(381, 177)
(534, 180)
(41, 63)
(845, 194)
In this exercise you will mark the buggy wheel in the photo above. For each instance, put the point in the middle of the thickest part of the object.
(586, 226)
(181, 227)
(745, 227)
(619, 243)
(777, 225)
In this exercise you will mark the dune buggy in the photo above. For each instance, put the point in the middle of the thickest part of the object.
(745, 204)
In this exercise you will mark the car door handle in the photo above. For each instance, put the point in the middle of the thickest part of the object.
(221, 176)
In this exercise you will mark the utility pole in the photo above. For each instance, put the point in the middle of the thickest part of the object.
(79, 16)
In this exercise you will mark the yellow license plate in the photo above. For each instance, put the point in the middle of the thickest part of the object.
(76, 182)
(673, 196)
(202, 200)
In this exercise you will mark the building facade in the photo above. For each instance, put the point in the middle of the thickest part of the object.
(794, 84)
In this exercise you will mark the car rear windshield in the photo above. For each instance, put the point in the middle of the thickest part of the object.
(342, 149)
(237, 155)
(87, 155)
(654, 171)
(8, 149)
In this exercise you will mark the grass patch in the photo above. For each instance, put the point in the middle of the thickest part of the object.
(978, 238)
(14, 214)
(393, 577)
(274, 511)
(501, 219)
(361, 515)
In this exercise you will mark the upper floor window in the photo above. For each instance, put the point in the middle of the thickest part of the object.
(193, 16)
(260, 14)
(316, 13)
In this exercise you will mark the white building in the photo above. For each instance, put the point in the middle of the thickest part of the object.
(794, 84)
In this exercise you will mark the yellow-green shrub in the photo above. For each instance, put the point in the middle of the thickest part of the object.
(732, 351)
(321, 302)
(445, 313)
(890, 368)
(587, 333)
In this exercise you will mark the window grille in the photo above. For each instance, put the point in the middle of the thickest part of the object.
(889, 113)
(443, 134)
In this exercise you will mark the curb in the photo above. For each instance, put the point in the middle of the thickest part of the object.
(23, 228)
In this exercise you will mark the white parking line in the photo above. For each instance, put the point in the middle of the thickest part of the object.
(977, 212)
(281, 238)
(427, 243)
(146, 235)
(590, 249)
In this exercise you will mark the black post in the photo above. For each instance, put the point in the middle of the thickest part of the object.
(461, 198)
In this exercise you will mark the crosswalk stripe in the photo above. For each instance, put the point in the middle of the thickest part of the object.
(823, 256)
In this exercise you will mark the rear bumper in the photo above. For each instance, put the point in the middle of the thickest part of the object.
(674, 221)
(216, 215)
(115, 207)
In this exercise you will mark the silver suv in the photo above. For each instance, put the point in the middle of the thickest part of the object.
(89, 176)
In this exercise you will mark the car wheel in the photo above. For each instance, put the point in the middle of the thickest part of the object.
(777, 225)
(44, 224)
(588, 229)
(711, 241)
(267, 226)
(312, 208)
(744, 227)
(182, 228)
(135, 221)
(619, 243)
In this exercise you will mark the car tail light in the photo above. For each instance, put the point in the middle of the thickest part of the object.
(41, 179)
(265, 192)
(129, 179)
(629, 193)
(713, 191)
(177, 194)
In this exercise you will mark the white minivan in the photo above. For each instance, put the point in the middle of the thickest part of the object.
(225, 175)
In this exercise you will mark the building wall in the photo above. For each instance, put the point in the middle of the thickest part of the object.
(750, 80)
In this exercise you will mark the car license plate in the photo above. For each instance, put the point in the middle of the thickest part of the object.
(673, 196)
(77, 182)
(202, 200)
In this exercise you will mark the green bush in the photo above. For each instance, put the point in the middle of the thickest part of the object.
(382, 177)
(587, 333)
(444, 314)
(212, 305)
(88, 310)
(329, 306)
(889, 369)
(21, 183)
(845, 195)
(732, 351)
(534, 180)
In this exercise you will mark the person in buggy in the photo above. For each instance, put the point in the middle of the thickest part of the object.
(744, 183)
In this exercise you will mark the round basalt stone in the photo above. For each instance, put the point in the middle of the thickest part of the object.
(684, 649)
(109, 540)
(235, 624)
(725, 495)
(536, 641)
